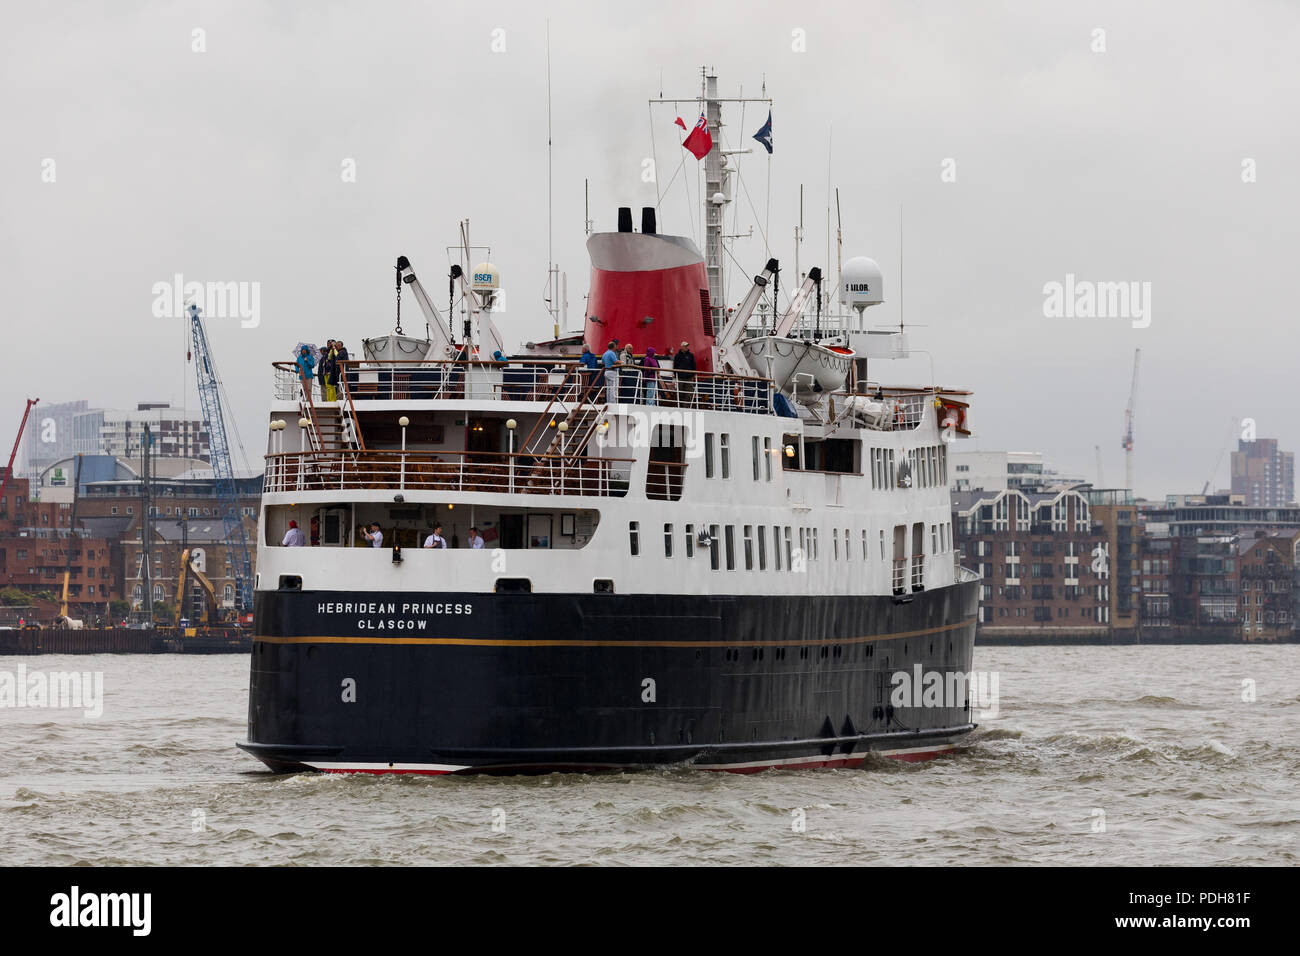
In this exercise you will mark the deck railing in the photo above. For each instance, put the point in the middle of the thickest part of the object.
(540, 381)
(446, 471)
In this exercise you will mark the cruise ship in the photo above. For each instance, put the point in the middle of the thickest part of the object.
(729, 566)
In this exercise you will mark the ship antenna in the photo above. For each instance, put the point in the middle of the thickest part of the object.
(551, 305)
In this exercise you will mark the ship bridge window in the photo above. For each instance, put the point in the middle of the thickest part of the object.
(634, 537)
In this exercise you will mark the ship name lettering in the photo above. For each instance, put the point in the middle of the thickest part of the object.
(417, 607)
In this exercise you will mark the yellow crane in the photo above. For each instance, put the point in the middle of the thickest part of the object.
(212, 611)
(63, 620)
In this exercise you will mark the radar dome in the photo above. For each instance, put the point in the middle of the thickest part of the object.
(485, 278)
(861, 283)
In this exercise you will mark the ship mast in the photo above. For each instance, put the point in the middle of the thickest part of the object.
(717, 188)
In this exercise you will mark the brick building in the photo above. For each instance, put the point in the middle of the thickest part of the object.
(1266, 571)
(1040, 556)
(35, 540)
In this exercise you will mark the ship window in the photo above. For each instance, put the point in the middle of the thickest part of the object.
(731, 547)
(767, 458)
(668, 541)
(708, 454)
(713, 547)
(776, 545)
(634, 536)
(725, 449)
(835, 542)
(864, 544)
(762, 547)
(754, 444)
(690, 540)
(789, 549)
(749, 547)
(603, 586)
(882, 544)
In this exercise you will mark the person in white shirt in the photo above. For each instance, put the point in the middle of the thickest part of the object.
(436, 540)
(292, 537)
(475, 539)
(374, 536)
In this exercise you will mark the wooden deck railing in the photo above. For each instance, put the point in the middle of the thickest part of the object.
(447, 471)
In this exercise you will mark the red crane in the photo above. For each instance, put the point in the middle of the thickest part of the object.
(4, 482)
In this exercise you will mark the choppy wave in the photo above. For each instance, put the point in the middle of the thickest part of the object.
(1157, 741)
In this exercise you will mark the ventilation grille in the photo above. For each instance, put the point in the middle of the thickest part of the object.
(706, 314)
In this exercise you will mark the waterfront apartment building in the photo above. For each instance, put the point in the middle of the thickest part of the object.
(1267, 593)
(1043, 560)
(35, 540)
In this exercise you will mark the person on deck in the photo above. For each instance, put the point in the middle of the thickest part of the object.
(475, 539)
(630, 380)
(374, 535)
(436, 540)
(609, 361)
(306, 369)
(589, 363)
(292, 537)
(328, 371)
(650, 368)
(683, 369)
(341, 356)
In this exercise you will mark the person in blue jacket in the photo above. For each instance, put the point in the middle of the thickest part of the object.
(306, 368)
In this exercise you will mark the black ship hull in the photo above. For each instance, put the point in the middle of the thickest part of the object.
(534, 683)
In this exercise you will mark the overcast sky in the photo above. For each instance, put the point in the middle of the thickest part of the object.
(1112, 156)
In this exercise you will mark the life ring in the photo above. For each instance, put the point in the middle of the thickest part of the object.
(951, 416)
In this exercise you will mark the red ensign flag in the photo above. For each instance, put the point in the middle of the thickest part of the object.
(699, 142)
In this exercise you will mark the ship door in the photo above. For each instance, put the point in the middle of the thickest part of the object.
(900, 559)
(483, 435)
(918, 556)
(512, 531)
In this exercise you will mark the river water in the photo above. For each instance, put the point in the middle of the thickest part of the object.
(1097, 755)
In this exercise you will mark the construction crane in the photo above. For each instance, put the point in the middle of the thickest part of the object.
(63, 620)
(1128, 421)
(4, 482)
(205, 374)
(1223, 448)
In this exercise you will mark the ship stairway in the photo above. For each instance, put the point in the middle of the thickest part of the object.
(557, 449)
(332, 427)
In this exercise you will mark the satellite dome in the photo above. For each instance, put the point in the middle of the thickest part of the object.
(861, 283)
(485, 278)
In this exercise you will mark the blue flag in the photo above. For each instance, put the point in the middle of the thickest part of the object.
(764, 134)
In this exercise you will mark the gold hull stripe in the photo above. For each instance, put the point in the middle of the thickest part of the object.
(486, 642)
